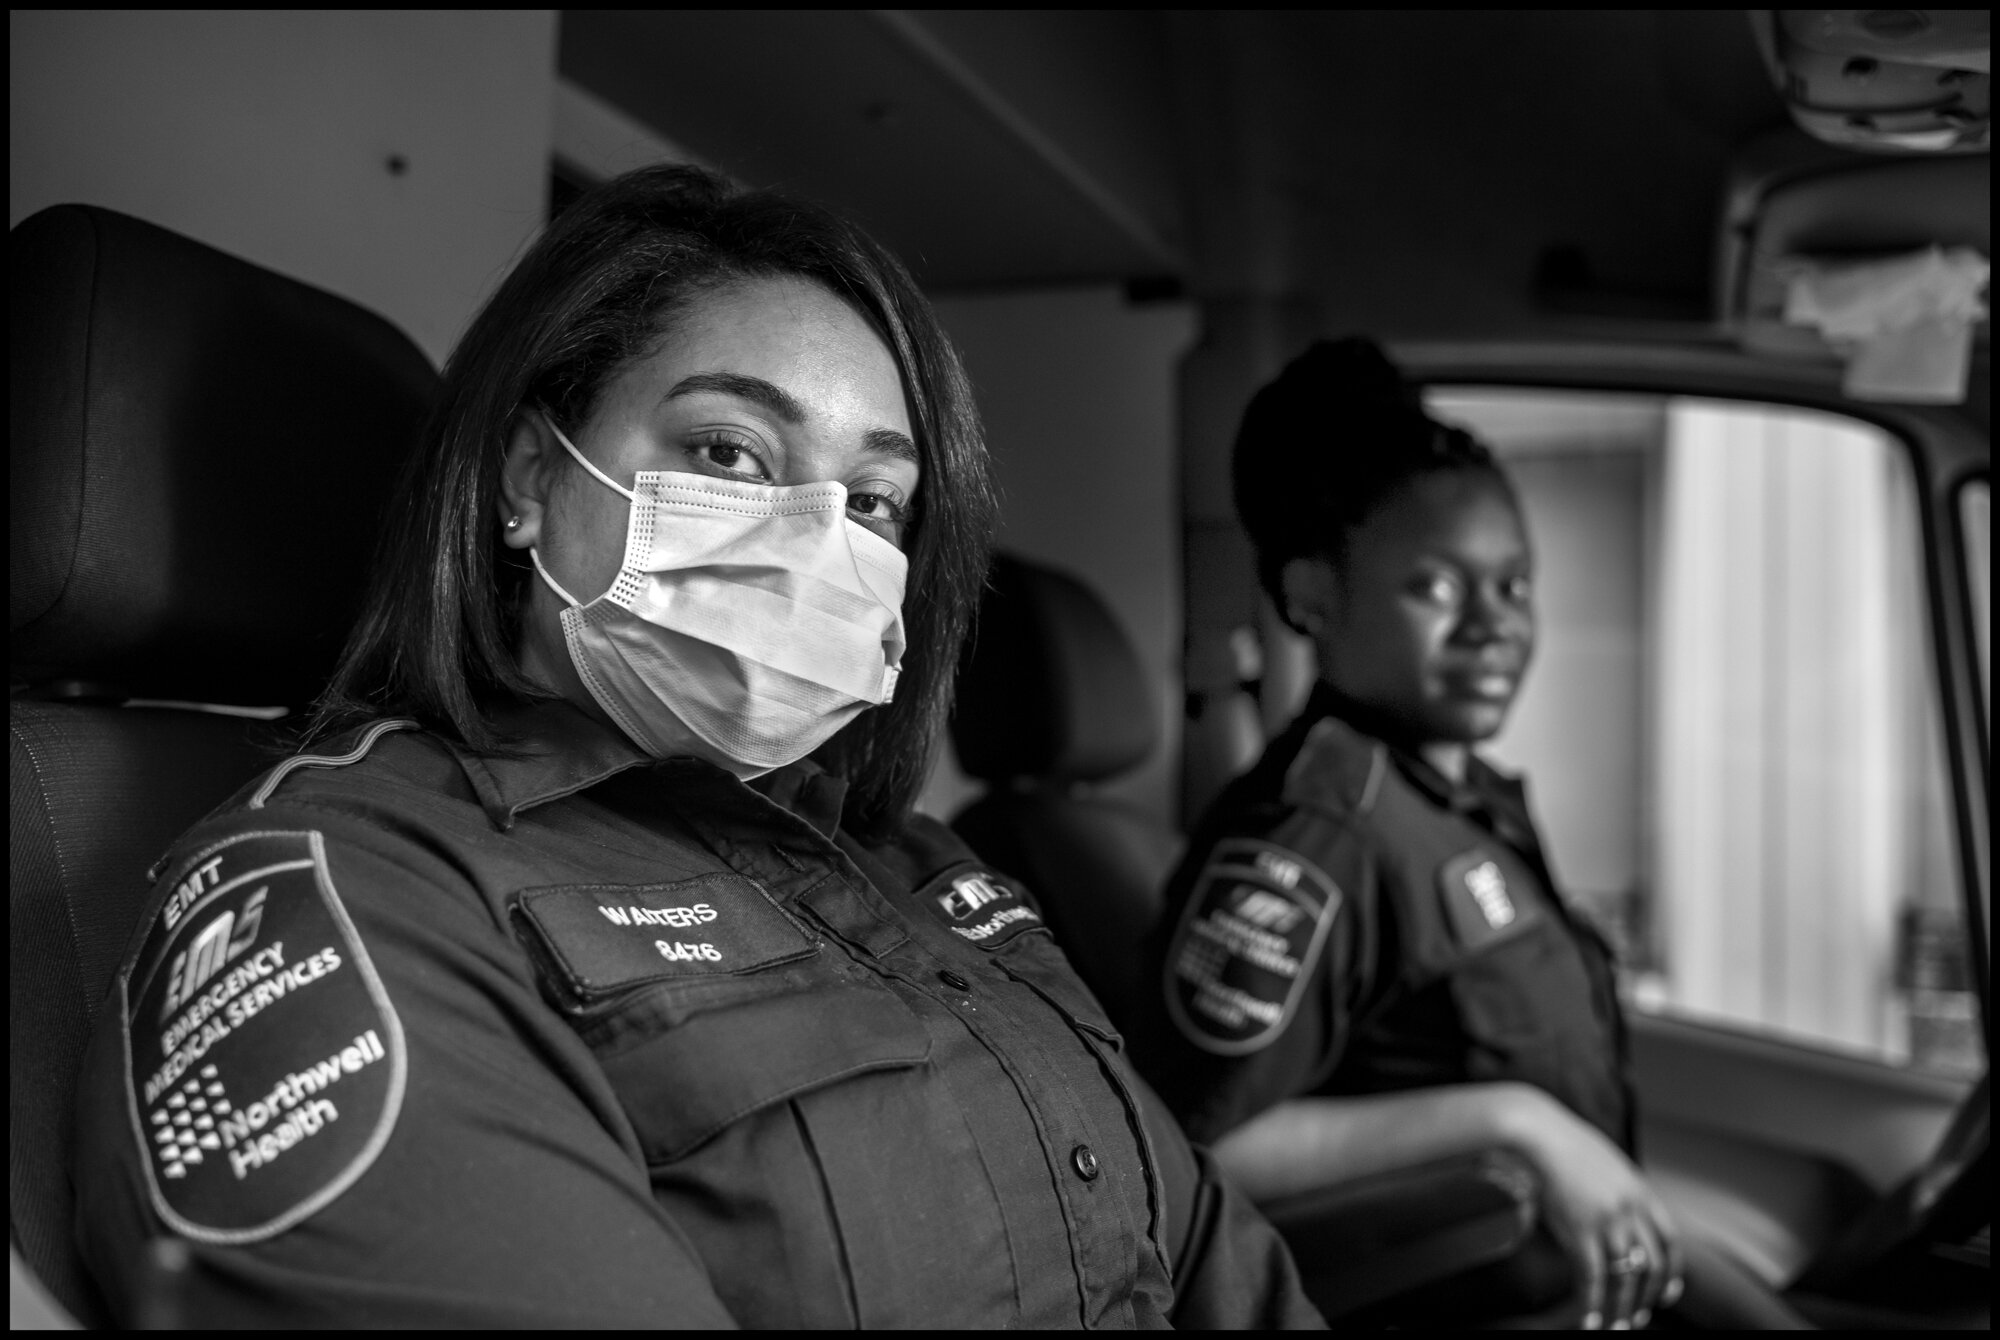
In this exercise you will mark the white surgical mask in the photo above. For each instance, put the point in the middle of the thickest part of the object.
(747, 624)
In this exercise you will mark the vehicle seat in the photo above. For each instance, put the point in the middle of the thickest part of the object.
(1052, 703)
(201, 454)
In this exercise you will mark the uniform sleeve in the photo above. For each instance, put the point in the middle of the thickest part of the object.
(1231, 1269)
(328, 1072)
(1265, 955)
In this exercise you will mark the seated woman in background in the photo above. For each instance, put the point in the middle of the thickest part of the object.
(594, 968)
(1365, 963)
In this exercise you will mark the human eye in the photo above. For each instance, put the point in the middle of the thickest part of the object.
(1519, 589)
(729, 455)
(879, 506)
(1442, 588)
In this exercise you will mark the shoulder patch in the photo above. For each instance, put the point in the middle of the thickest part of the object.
(1247, 944)
(607, 937)
(1479, 905)
(264, 1063)
(979, 907)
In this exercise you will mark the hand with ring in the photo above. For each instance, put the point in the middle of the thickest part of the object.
(1642, 1271)
(1620, 1238)
(1625, 1280)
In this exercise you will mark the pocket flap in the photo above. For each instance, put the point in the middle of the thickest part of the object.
(684, 1085)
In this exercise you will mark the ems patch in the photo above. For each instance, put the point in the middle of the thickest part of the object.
(265, 1065)
(978, 906)
(1479, 905)
(1249, 938)
(607, 937)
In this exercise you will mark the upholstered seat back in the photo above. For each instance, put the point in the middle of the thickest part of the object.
(1053, 702)
(201, 454)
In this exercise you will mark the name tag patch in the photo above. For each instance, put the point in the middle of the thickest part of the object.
(981, 908)
(1247, 944)
(1480, 906)
(265, 1065)
(606, 937)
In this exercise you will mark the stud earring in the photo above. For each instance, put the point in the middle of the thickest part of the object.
(513, 523)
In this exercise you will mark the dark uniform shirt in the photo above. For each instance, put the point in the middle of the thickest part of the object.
(414, 1036)
(1349, 921)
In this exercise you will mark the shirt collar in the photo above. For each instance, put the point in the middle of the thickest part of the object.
(557, 750)
(807, 790)
(1485, 787)
(552, 750)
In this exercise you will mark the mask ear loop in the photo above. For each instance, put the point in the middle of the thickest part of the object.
(584, 461)
(535, 557)
(534, 551)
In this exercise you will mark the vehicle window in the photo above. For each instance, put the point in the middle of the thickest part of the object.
(1731, 731)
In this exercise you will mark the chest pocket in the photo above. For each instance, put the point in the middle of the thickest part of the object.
(686, 1084)
(1506, 998)
(706, 1003)
(1503, 955)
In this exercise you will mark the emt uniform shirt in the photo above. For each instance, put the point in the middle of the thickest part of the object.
(412, 1036)
(1349, 921)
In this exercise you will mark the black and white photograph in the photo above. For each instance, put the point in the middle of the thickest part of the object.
(1000, 669)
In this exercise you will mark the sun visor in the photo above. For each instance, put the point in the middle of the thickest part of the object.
(1878, 264)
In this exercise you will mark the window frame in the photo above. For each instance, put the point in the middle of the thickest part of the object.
(1981, 671)
(1945, 452)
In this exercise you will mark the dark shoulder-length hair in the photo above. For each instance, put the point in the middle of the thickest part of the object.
(437, 633)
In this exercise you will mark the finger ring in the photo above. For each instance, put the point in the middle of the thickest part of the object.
(1631, 1262)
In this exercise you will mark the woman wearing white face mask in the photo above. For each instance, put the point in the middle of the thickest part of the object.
(593, 967)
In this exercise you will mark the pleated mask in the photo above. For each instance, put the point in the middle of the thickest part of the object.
(747, 624)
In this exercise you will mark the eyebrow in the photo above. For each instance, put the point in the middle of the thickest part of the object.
(883, 441)
(889, 442)
(753, 389)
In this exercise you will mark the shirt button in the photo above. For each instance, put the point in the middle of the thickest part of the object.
(954, 981)
(1086, 1162)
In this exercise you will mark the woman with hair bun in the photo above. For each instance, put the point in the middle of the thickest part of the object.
(1365, 963)
(591, 967)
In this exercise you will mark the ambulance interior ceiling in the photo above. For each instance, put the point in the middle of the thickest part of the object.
(1506, 172)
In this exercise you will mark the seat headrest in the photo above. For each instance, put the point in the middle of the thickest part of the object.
(1049, 686)
(202, 454)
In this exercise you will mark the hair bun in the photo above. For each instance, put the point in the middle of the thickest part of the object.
(1351, 375)
(1320, 446)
